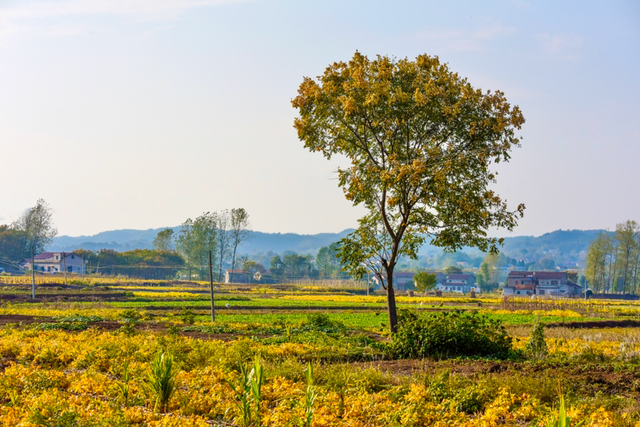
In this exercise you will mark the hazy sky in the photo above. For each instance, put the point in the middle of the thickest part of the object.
(140, 114)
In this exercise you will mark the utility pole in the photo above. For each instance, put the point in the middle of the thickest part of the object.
(213, 310)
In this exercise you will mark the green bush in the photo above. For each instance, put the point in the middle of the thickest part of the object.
(321, 322)
(537, 346)
(449, 334)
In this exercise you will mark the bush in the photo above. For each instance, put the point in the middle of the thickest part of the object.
(449, 334)
(537, 346)
(321, 322)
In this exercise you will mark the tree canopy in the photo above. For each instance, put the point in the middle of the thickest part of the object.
(420, 141)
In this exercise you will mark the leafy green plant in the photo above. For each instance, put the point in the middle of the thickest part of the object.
(124, 384)
(321, 322)
(188, 317)
(129, 319)
(536, 347)
(310, 396)
(256, 388)
(561, 419)
(449, 334)
(248, 393)
(161, 382)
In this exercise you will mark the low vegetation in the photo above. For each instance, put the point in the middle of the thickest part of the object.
(308, 359)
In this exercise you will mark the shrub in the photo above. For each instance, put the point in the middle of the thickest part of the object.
(537, 346)
(449, 334)
(188, 317)
(321, 322)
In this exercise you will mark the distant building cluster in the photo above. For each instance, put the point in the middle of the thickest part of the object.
(55, 262)
(543, 283)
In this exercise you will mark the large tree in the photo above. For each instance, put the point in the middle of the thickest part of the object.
(239, 231)
(164, 240)
(37, 226)
(195, 239)
(421, 142)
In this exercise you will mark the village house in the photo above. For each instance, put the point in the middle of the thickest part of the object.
(459, 283)
(56, 262)
(543, 283)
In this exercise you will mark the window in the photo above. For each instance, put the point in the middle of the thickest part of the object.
(72, 256)
(554, 282)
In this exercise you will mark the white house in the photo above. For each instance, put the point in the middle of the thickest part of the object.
(543, 283)
(459, 283)
(55, 262)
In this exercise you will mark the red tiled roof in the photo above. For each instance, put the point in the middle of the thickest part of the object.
(45, 255)
(459, 276)
(549, 274)
(520, 273)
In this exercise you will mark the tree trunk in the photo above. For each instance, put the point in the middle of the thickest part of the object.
(233, 259)
(391, 302)
(33, 273)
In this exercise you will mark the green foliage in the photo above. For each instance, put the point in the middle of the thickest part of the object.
(248, 393)
(321, 322)
(452, 269)
(561, 419)
(449, 334)
(161, 381)
(188, 316)
(425, 281)
(195, 239)
(164, 240)
(310, 396)
(128, 320)
(421, 142)
(13, 245)
(537, 346)
(123, 385)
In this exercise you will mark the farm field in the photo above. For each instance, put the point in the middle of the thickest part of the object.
(76, 358)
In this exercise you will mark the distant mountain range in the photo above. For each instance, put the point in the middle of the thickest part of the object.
(126, 240)
(561, 245)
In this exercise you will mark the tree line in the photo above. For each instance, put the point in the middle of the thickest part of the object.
(613, 260)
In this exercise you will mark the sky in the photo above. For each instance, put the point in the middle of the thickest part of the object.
(143, 113)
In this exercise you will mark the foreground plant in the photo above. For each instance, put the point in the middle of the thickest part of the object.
(310, 396)
(248, 393)
(562, 419)
(124, 384)
(161, 382)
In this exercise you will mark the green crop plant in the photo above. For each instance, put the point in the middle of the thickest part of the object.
(161, 383)
(124, 384)
(248, 393)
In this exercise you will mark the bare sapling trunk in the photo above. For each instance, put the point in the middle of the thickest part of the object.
(33, 273)
(213, 309)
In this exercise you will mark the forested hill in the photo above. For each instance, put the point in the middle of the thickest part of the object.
(126, 240)
(562, 245)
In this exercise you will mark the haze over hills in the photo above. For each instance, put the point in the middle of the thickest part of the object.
(126, 240)
(562, 245)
